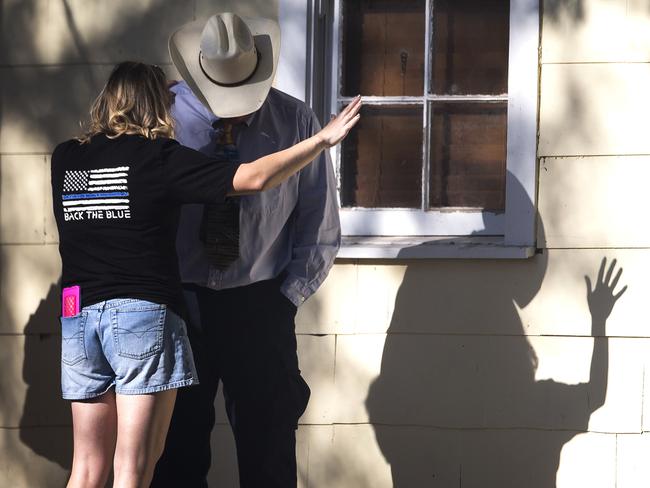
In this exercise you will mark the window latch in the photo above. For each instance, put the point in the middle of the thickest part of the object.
(403, 56)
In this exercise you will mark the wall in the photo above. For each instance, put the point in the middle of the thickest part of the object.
(424, 373)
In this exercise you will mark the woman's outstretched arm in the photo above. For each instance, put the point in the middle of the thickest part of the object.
(269, 171)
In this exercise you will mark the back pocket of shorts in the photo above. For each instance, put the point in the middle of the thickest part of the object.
(138, 334)
(73, 348)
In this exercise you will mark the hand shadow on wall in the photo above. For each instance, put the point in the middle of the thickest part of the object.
(44, 409)
(458, 403)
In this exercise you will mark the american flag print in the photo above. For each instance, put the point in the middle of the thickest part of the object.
(96, 194)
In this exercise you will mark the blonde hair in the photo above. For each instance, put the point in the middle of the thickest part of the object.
(135, 100)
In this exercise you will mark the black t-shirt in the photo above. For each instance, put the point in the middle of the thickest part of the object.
(116, 203)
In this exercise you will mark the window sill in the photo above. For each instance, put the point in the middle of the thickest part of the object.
(391, 247)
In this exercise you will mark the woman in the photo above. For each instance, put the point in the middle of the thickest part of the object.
(117, 191)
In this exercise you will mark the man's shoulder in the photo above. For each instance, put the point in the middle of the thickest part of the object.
(289, 106)
(180, 88)
(186, 103)
(282, 98)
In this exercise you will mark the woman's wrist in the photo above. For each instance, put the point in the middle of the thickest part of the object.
(321, 142)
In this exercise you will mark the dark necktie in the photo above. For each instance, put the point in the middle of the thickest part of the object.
(220, 224)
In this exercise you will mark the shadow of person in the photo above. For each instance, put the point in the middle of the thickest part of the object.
(45, 425)
(456, 402)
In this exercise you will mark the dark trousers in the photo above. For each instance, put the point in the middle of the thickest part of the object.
(245, 338)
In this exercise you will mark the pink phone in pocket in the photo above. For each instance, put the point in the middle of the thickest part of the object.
(71, 301)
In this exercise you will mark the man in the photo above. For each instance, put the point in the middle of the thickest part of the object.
(243, 285)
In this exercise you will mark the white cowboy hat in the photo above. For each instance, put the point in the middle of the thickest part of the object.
(228, 61)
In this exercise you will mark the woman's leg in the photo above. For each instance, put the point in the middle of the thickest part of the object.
(94, 429)
(142, 424)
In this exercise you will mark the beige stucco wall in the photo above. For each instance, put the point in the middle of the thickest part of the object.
(424, 373)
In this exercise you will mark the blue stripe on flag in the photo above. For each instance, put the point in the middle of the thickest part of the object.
(84, 196)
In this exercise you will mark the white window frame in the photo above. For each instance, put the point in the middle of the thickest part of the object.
(388, 233)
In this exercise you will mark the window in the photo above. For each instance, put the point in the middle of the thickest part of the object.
(447, 141)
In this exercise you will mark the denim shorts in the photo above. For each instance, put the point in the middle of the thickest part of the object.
(136, 346)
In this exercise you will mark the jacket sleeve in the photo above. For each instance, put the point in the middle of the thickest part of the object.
(317, 229)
